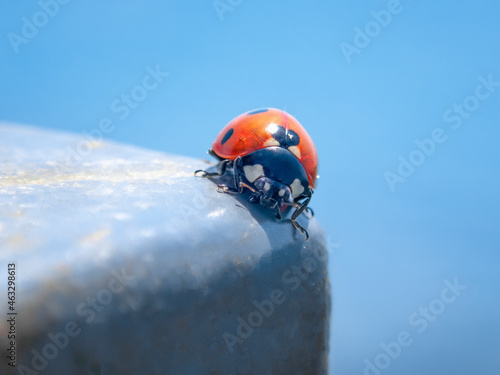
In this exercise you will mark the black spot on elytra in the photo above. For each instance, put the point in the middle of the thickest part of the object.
(286, 138)
(292, 138)
(257, 111)
(228, 135)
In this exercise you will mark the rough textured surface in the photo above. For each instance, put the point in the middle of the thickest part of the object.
(128, 264)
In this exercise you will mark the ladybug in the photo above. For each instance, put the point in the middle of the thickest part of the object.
(270, 154)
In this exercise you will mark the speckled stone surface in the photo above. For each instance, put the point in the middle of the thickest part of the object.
(128, 264)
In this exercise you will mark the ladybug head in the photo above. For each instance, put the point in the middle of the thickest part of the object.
(275, 177)
(270, 193)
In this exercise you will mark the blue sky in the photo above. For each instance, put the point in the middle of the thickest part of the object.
(394, 244)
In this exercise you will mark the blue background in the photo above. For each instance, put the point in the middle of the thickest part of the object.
(391, 251)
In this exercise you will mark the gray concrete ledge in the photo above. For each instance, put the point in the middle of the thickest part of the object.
(128, 264)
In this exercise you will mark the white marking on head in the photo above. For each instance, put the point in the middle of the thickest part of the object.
(281, 192)
(297, 188)
(271, 142)
(267, 186)
(295, 150)
(253, 172)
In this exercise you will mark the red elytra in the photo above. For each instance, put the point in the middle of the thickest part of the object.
(258, 129)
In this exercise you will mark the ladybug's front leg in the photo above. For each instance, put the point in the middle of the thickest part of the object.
(221, 167)
(297, 213)
(238, 189)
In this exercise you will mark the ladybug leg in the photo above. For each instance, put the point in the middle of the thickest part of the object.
(237, 181)
(221, 166)
(253, 198)
(297, 213)
(309, 210)
(242, 184)
(277, 213)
